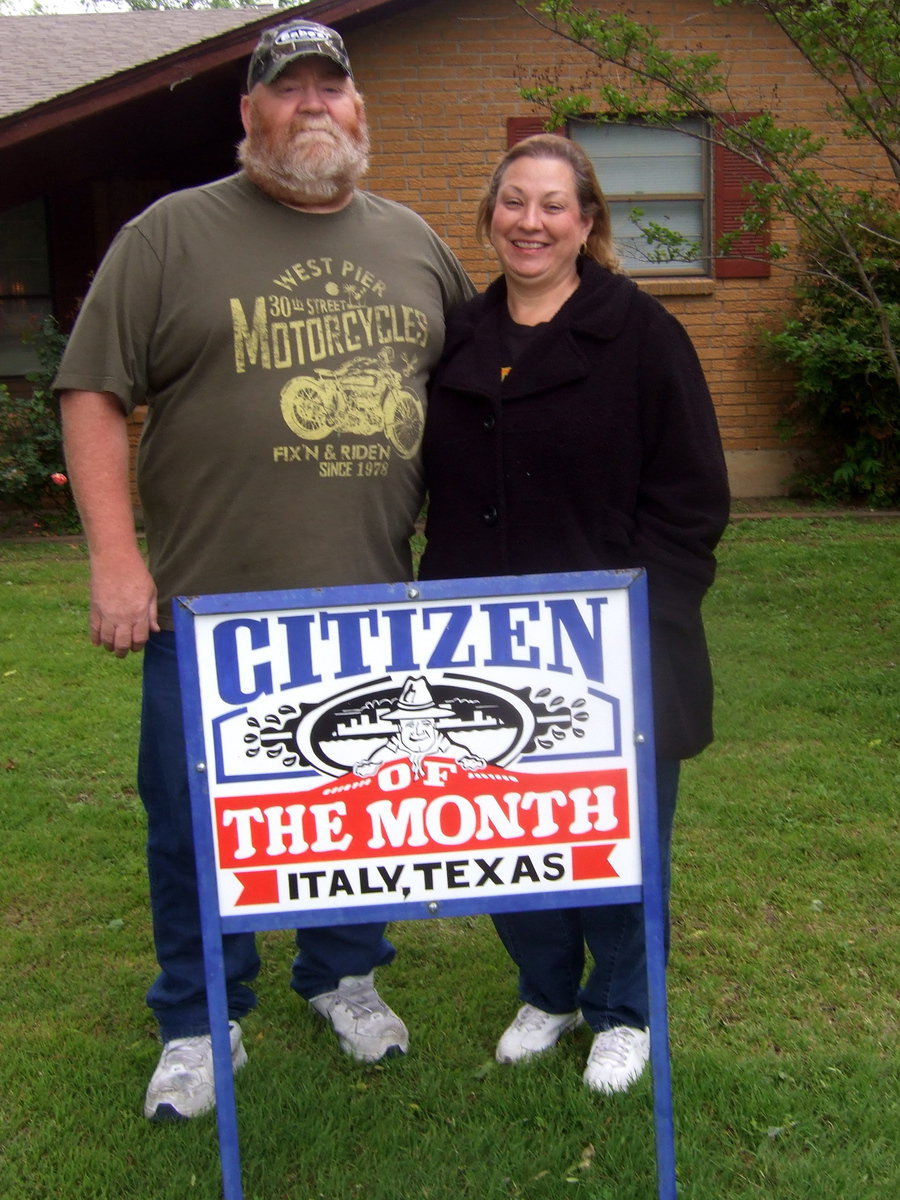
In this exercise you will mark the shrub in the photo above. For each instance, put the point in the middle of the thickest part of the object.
(846, 404)
(32, 468)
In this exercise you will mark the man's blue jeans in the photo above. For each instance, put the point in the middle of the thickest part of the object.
(548, 945)
(178, 995)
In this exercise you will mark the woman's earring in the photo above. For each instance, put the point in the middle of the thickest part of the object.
(582, 249)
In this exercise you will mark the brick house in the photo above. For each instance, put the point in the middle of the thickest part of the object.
(101, 113)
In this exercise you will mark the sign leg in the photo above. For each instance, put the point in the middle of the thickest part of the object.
(226, 1110)
(660, 1063)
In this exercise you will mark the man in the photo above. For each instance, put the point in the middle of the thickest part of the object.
(418, 737)
(229, 309)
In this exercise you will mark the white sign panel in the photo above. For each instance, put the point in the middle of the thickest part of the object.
(421, 743)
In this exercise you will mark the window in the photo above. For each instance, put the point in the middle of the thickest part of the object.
(678, 181)
(24, 283)
(661, 177)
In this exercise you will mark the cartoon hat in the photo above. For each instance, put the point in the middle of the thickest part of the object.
(284, 44)
(417, 701)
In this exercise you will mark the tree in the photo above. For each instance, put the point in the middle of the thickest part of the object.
(849, 237)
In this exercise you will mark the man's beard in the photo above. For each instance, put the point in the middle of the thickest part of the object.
(298, 165)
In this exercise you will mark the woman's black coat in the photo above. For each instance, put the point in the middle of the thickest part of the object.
(600, 450)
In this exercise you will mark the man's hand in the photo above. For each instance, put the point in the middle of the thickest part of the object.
(123, 607)
(123, 594)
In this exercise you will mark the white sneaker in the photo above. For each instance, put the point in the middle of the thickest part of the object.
(617, 1058)
(366, 1028)
(183, 1084)
(533, 1031)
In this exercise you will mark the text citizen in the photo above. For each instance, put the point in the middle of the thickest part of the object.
(261, 655)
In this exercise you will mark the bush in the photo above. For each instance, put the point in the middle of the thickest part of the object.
(33, 482)
(846, 405)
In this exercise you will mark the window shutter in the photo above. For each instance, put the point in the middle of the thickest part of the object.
(747, 258)
(519, 128)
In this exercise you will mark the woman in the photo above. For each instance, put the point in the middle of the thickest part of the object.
(570, 429)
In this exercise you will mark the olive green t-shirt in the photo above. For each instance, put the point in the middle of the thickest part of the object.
(283, 357)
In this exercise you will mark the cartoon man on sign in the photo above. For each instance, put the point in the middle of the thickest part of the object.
(418, 737)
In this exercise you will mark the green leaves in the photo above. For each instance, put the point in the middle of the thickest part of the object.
(31, 453)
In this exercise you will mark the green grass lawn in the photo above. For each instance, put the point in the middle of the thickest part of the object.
(783, 987)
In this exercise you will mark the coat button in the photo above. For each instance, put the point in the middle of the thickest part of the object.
(489, 422)
(489, 514)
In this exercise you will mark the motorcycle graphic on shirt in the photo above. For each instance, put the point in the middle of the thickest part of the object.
(366, 396)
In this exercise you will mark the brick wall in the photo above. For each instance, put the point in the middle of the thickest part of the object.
(440, 83)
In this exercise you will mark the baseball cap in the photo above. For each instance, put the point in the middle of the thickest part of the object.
(284, 44)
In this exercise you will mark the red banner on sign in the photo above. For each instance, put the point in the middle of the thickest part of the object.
(592, 862)
(435, 808)
(259, 887)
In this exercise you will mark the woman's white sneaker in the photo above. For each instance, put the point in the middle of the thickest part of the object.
(617, 1058)
(533, 1031)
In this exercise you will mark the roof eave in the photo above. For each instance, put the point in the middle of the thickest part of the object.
(168, 71)
(173, 69)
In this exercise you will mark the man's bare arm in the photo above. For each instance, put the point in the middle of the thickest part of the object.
(123, 595)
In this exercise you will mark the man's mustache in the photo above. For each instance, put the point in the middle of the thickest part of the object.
(314, 125)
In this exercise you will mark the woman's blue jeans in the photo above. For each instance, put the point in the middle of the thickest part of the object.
(548, 945)
(178, 995)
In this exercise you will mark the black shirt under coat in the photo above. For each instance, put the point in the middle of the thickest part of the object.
(599, 451)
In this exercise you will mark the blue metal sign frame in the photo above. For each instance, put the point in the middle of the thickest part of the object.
(200, 736)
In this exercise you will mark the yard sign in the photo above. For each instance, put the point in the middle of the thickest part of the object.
(403, 751)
